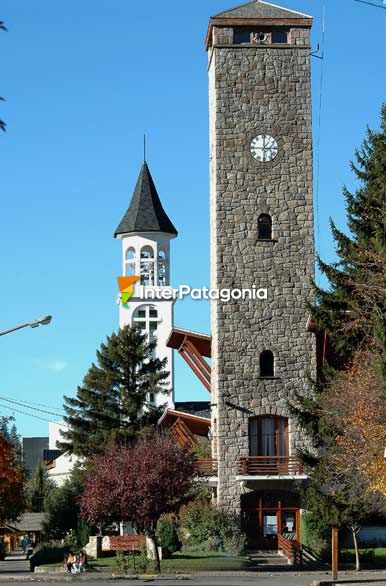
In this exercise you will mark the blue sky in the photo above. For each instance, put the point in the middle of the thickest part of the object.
(83, 81)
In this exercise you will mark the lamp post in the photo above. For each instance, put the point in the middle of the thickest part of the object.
(42, 321)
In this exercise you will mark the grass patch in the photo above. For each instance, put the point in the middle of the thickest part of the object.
(369, 557)
(180, 562)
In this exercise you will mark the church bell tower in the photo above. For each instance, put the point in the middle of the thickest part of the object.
(145, 232)
(262, 235)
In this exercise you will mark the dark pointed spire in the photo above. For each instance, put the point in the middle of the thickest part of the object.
(145, 212)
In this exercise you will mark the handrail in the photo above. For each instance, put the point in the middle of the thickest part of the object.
(206, 466)
(292, 549)
(270, 465)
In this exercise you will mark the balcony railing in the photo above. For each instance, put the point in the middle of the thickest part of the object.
(206, 467)
(270, 466)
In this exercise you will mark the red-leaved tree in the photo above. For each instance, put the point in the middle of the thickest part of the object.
(12, 483)
(138, 484)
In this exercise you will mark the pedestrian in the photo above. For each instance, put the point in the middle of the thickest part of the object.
(24, 544)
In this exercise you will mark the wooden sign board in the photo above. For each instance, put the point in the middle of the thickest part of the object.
(123, 543)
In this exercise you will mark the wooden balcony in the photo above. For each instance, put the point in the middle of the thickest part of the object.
(206, 467)
(270, 466)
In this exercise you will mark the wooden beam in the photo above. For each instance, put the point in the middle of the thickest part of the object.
(182, 433)
(196, 362)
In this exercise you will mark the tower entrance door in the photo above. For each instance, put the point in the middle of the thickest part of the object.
(267, 515)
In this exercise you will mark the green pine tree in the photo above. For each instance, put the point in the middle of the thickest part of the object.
(40, 487)
(62, 510)
(109, 406)
(353, 309)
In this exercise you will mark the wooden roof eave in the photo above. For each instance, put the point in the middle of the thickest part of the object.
(197, 424)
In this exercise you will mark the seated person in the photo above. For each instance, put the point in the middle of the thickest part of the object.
(82, 561)
(71, 562)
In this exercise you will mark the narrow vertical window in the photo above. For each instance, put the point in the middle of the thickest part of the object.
(161, 268)
(147, 266)
(130, 262)
(264, 227)
(267, 367)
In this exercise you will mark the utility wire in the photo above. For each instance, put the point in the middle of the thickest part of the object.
(20, 404)
(372, 4)
(13, 409)
(32, 405)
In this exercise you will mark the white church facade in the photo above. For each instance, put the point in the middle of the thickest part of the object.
(145, 232)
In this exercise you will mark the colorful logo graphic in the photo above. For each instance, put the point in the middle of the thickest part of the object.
(126, 286)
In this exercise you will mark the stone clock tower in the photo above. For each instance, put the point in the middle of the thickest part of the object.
(262, 235)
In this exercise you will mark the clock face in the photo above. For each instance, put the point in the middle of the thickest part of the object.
(264, 148)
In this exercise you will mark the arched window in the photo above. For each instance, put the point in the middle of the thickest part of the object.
(264, 227)
(130, 262)
(147, 266)
(161, 268)
(267, 364)
(146, 318)
(268, 436)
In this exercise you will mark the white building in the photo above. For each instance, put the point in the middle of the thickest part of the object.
(59, 468)
(145, 232)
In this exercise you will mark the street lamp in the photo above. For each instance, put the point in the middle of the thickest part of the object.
(42, 321)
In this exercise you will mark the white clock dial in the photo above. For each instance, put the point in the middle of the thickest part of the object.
(264, 148)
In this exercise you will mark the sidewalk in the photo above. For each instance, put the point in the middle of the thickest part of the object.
(15, 563)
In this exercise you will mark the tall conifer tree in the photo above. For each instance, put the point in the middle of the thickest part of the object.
(353, 309)
(110, 406)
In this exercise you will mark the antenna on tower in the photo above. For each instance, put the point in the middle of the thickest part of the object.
(144, 148)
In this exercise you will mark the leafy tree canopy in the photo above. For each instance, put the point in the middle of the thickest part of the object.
(12, 483)
(138, 483)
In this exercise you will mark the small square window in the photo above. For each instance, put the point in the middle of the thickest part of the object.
(153, 326)
(279, 37)
(153, 313)
(141, 313)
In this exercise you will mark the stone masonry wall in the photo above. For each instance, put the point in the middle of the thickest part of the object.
(255, 90)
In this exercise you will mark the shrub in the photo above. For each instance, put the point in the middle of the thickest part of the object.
(46, 553)
(132, 561)
(204, 525)
(315, 535)
(202, 449)
(124, 561)
(235, 544)
(167, 533)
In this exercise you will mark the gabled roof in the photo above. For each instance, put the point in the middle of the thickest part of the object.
(257, 12)
(260, 9)
(145, 212)
(27, 522)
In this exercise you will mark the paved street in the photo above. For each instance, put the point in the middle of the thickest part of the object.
(227, 579)
(16, 568)
(282, 580)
